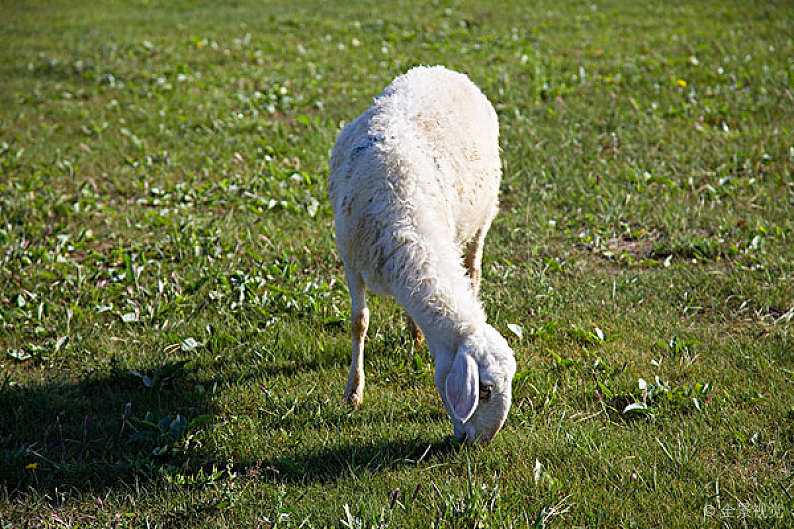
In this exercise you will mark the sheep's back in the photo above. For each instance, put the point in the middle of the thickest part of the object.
(421, 163)
(441, 136)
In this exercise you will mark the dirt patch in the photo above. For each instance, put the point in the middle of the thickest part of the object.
(636, 248)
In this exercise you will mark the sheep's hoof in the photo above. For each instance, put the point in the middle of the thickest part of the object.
(353, 399)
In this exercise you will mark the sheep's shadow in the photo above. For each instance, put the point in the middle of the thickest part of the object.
(350, 460)
(79, 435)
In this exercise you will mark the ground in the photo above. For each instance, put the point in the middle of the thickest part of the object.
(173, 340)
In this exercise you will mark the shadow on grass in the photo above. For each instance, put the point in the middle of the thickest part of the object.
(81, 435)
(351, 460)
(90, 435)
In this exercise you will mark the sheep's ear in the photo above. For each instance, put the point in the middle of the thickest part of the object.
(462, 386)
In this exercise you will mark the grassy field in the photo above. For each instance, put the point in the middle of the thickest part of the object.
(173, 337)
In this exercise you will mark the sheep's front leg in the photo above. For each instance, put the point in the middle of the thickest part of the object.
(473, 259)
(359, 321)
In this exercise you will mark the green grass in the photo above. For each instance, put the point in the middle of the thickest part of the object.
(173, 341)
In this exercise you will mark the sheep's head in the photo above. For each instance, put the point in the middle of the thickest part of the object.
(477, 386)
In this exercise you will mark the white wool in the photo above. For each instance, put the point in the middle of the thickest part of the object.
(412, 180)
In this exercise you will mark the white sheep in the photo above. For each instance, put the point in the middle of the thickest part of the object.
(412, 180)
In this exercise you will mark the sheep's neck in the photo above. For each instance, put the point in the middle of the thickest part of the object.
(437, 293)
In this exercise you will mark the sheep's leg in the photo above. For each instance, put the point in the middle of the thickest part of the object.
(359, 321)
(416, 333)
(473, 259)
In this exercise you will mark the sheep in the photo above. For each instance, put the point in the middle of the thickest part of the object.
(412, 180)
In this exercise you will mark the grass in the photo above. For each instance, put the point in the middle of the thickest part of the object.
(172, 313)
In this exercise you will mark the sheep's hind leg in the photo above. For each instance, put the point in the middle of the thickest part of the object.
(416, 333)
(473, 259)
(359, 321)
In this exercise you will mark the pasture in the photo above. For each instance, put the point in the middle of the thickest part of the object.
(173, 315)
